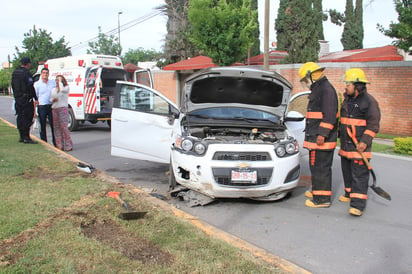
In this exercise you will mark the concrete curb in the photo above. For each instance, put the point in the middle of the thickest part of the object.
(208, 229)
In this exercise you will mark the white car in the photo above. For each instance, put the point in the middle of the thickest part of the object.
(229, 139)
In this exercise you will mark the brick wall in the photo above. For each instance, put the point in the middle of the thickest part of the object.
(391, 85)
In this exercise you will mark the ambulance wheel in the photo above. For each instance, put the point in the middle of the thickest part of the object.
(73, 123)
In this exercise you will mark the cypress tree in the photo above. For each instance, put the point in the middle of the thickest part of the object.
(352, 35)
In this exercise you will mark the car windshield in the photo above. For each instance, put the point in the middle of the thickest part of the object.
(234, 113)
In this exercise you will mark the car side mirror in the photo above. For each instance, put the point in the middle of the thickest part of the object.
(294, 116)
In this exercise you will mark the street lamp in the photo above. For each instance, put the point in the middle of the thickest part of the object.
(118, 24)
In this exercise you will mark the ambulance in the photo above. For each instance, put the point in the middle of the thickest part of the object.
(92, 80)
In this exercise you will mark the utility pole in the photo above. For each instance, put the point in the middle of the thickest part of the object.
(118, 25)
(266, 37)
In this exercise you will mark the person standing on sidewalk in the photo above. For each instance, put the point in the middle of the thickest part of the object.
(43, 89)
(360, 116)
(321, 132)
(24, 93)
(60, 100)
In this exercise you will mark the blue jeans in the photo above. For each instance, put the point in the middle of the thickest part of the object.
(45, 113)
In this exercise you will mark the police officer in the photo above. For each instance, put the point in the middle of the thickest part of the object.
(320, 132)
(360, 116)
(23, 91)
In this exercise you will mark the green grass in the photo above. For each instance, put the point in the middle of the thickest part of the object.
(47, 205)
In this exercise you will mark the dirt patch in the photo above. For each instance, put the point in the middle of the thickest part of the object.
(45, 174)
(126, 243)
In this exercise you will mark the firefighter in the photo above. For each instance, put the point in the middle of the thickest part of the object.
(320, 133)
(23, 92)
(360, 116)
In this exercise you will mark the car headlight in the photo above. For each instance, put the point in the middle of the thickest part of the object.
(200, 148)
(280, 151)
(190, 145)
(187, 144)
(287, 148)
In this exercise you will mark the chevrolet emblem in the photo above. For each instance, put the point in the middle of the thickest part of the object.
(243, 165)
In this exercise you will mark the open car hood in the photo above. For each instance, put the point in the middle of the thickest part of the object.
(237, 87)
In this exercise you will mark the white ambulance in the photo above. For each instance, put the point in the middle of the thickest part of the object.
(92, 80)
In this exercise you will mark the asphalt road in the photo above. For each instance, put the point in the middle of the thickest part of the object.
(319, 240)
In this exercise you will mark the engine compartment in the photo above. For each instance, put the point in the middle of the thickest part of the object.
(237, 135)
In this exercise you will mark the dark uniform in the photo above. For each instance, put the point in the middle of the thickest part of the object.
(361, 114)
(24, 93)
(321, 119)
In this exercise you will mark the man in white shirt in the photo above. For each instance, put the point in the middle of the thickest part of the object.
(43, 89)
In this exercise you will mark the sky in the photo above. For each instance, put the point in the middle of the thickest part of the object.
(79, 20)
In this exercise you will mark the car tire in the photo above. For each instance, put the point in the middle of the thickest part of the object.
(109, 123)
(172, 179)
(73, 123)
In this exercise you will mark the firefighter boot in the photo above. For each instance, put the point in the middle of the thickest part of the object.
(311, 203)
(355, 212)
(344, 199)
(308, 194)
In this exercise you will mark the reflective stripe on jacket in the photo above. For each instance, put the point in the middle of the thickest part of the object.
(363, 114)
(322, 116)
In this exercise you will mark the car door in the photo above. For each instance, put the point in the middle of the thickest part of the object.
(295, 115)
(142, 122)
(143, 77)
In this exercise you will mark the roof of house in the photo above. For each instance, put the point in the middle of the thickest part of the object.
(274, 57)
(198, 62)
(385, 53)
(129, 67)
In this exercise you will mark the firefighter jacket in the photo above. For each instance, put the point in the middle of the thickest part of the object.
(361, 115)
(321, 116)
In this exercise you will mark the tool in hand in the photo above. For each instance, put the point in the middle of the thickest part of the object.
(378, 190)
(129, 215)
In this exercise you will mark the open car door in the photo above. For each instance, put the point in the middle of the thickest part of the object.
(142, 123)
(295, 115)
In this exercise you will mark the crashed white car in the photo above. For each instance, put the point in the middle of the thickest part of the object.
(229, 138)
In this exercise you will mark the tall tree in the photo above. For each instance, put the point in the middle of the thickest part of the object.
(319, 17)
(141, 55)
(352, 35)
(296, 31)
(39, 46)
(402, 31)
(177, 46)
(223, 30)
(105, 45)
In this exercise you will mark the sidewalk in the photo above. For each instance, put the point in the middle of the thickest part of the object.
(382, 141)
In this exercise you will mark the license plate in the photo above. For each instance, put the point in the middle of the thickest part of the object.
(244, 176)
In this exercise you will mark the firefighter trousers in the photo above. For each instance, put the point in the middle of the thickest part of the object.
(320, 164)
(356, 180)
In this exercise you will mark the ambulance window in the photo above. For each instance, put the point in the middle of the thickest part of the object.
(91, 78)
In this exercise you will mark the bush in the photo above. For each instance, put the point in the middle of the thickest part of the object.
(403, 145)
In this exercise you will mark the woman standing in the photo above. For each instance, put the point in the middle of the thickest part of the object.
(59, 98)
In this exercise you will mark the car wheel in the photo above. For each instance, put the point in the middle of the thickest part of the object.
(73, 123)
(172, 179)
(109, 123)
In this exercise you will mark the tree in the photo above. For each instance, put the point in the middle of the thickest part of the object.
(296, 31)
(177, 46)
(319, 17)
(402, 30)
(352, 35)
(105, 45)
(4, 79)
(38, 45)
(141, 55)
(223, 30)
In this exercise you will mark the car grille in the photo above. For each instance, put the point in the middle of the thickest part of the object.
(223, 177)
(241, 156)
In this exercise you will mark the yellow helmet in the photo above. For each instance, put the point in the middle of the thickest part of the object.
(307, 69)
(355, 75)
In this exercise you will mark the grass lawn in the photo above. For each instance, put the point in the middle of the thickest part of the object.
(54, 218)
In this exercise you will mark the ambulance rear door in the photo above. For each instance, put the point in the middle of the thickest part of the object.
(92, 90)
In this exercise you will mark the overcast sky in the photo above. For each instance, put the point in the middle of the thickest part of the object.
(78, 22)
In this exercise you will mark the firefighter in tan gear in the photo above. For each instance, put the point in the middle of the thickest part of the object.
(320, 133)
(360, 116)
